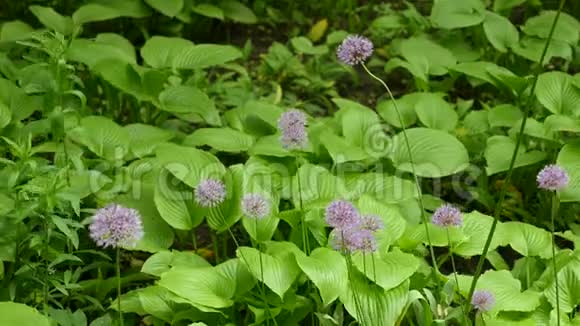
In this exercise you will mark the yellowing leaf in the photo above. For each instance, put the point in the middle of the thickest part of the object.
(317, 31)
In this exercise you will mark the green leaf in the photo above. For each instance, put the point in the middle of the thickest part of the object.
(434, 112)
(500, 32)
(52, 19)
(498, 161)
(235, 270)
(5, 115)
(450, 14)
(498, 76)
(392, 219)
(161, 51)
(317, 186)
(387, 189)
(167, 7)
(208, 10)
(406, 105)
(187, 99)
(568, 286)
(339, 148)
(15, 30)
(238, 12)
(201, 285)
(229, 212)
(189, 165)
(92, 52)
(529, 240)
(501, 5)
(475, 225)
(506, 289)
(303, 45)
(269, 146)
(435, 153)
(556, 122)
(391, 269)
(531, 48)
(121, 75)
(327, 270)
(163, 261)
(569, 159)
(380, 307)
(279, 270)
(143, 139)
(557, 93)
(12, 313)
(205, 55)
(172, 205)
(93, 12)
(157, 234)
(420, 51)
(504, 115)
(566, 28)
(221, 139)
(102, 136)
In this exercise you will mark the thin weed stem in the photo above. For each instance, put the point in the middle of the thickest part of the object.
(555, 208)
(456, 287)
(118, 272)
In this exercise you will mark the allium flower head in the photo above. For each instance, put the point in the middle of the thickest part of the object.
(372, 223)
(292, 125)
(447, 215)
(341, 214)
(255, 206)
(553, 177)
(210, 193)
(354, 50)
(352, 240)
(116, 226)
(483, 300)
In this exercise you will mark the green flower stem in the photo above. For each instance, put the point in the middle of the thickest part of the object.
(503, 191)
(118, 270)
(214, 240)
(416, 179)
(305, 241)
(46, 266)
(357, 303)
(465, 316)
(555, 208)
(374, 268)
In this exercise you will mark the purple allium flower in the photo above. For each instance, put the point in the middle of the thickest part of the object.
(210, 193)
(354, 50)
(116, 226)
(447, 215)
(552, 177)
(292, 125)
(255, 206)
(341, 214)
(483, 300)
(372, 223)
(351, 240)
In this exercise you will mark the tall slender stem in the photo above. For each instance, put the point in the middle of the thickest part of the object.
(357, 304)
(374, 268)
(259, 244)
(555, 207)
(46, 266)
(118, 270)
(456, 287)
(503, 191)
(412, 161)
(305, 241)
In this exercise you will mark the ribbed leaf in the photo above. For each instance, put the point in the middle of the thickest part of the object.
(160, 51)
(569, 287)
(102, 136)
(529, 240)
(172, 205)
(390, 269)
(167, 7)
(93, 12)
(187, 99)
(163, 261)
(317, 186)
(451, 14)
(52, 19)
(327, 270)
(558, 94)
(205, 55)
(434, 112)
(475, 225)
(144, 138)
(569, 159)
(393, 221)
(500, 32)
(236, 11)
(498, 161)
(12, 313)
(221, 139)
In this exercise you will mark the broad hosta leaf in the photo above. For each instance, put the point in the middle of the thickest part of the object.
(208, 10)
(229, 212)
(475, 225)
(205, 55)
(172, 205)
(161, 51)
(340, 150)
(188, 99)
(270, 146)
(102, 136)
(327, 270)
(406, 105)
(189, 165)
(558, 94)
(434, 112)
(122, 75)
(435, 153)
(393, 222)
(500, 32)
(261, 229)
(556, 122)
(380, 307)
(221, 139)
(385, 188)
(52, 19)
(504, 115)
(201, 285)
(145, 138)
(500, 5)
(421, 51)
(91, 52)
(167, 7)
(14, 30)
(361, 127)
(569, 287)
(12, 313)
(236, 11)
(392, 268)
(566, 29)
(157, 234)
(569, 159)
(302, 44)
(279, 270)
(506, 289)
(5, 115)
(163, 261)
(451, 14)
(496, 75)
(317, 186)
(529, 240)
(531, 48)
(498, 161)
(106, 10)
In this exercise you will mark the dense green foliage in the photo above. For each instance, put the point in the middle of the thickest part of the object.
(136, 102)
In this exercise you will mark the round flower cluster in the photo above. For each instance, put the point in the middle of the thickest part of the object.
(483, 300)
(116, 226)
(255, 206)
(354, 50)
(352, 232)
(292, 125)
(446, 216)
(210, 193)
(553, 177)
